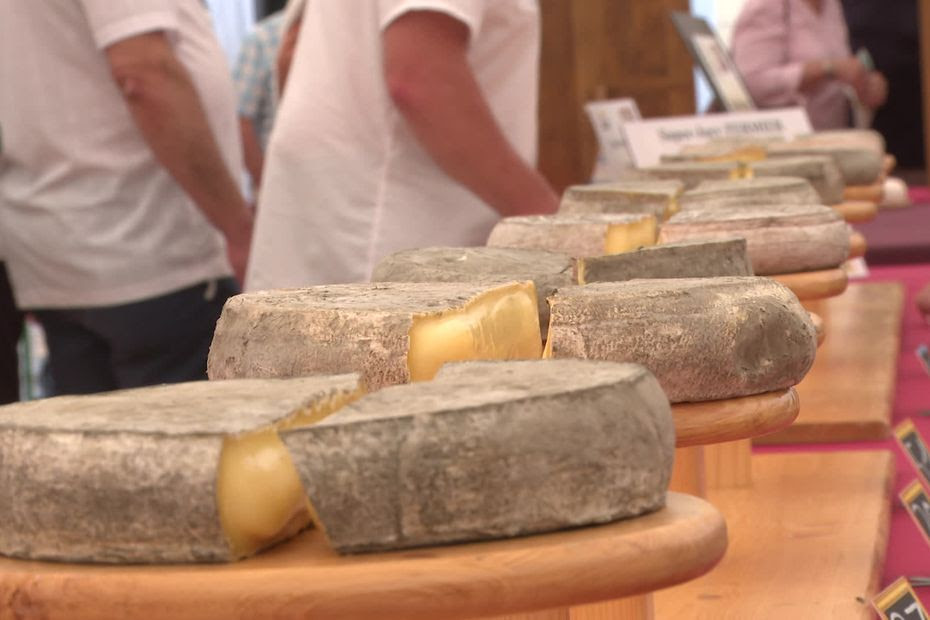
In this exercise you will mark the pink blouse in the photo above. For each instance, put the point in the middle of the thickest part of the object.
(773, 39)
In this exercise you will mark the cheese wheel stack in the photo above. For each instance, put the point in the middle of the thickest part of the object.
(658, 198)
(215, 471)
(780, 238)
(755, 191)
(390, 333)
(704, 339)
(577, 235)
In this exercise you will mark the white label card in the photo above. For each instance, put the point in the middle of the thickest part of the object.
(608, 117)
(650, 139)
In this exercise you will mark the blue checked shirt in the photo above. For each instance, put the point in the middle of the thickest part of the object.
(254, 74)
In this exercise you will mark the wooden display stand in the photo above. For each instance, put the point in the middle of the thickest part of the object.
(815, 284)
(864, 193)
(857, 211)
(857, 245)
(849, 393)
(806, 541)
(305, 578)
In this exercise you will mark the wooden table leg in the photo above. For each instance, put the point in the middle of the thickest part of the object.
(688, 474)
(729, 465)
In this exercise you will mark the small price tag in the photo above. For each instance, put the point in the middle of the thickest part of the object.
(923, 354)
(913, 445)
(915, 499)
(899, 602)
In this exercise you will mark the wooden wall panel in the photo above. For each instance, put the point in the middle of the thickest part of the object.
(602, 49)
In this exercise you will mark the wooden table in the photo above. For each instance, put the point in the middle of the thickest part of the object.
(806, 541)
(848, 395)
(305, 578)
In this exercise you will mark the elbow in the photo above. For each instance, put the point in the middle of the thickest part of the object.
(407, 88)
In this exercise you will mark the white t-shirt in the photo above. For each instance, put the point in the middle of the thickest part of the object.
(345, 181)
(88, 217)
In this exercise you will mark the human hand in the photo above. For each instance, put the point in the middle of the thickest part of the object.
(851, 71)
(238, 243)
(875, 90)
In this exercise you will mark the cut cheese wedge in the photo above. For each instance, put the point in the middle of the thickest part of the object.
(547, 270)
(781, 238)
(756, 191)
(819, 170)
(658, 198)
(192, 472)
(691, 259)
(703, 338)
(488, 450)
(389, 332)
(576, 235)
(692, 173)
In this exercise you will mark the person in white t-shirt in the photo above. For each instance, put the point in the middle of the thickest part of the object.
(121, 218)
(404, 123)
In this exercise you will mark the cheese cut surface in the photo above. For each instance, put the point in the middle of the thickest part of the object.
(780, 238)
(389, 332)
(658, 198)
(500, 325)
(190, 472)
(690, 259)
(704, 339)
(576, 235)
(488, 450)
(821, 171)
(547, 270)
(755, 191)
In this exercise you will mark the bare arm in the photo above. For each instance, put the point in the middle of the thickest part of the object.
(251, 151)
(433, 87)
(167, 109)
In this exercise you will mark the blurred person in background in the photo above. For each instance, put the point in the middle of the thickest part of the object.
(796, 52)
(405, 123)
(121, 217)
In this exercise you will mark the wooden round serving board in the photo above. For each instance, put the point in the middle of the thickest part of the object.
(858, 210)
(305, 578)
(717, 421)
(857, 244)
(814, 284)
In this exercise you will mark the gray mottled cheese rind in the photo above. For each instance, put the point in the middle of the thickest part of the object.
(820, 170)
(488, 450)
(547, 270)
(328, 329)
(690, 173)
(575, 235)
(130, 476)
(780, 238)
(755, 191)
(653, 197)
(689, 259)
(703, 338)
(858, 164)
